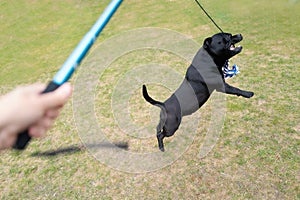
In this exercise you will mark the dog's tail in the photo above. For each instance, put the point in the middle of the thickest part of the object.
(163, 114)
(150, 100)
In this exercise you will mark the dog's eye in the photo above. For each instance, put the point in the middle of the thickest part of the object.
(220, 42)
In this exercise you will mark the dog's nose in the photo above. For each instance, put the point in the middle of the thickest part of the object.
(240, 36)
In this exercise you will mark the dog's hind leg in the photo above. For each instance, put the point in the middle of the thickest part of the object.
(164, 131)
(161, 134)
(160, 130)
(160, 137)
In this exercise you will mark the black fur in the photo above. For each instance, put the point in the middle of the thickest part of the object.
(202, 77)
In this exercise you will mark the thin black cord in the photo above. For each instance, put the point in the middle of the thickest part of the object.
(209, 16)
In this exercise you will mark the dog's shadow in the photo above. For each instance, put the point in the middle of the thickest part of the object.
(78, 148)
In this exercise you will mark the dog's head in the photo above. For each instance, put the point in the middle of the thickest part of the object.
(222, 45)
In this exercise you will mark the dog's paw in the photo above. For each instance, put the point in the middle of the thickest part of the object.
(160, 138)
(162, 149)
(247, 94)
(161, 146)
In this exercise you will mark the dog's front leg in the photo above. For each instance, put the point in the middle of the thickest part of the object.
(228, 89)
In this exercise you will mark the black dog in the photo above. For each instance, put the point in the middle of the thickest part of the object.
(204, 75)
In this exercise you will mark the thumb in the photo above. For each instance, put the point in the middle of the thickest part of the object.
(58, 97)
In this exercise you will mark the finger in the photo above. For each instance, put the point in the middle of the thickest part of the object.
(45, 122)
(7, 140)
(37, 131)
(53, 113)
(58, 97)
(36, 88)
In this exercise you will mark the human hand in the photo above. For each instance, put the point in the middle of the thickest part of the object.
(26, 108)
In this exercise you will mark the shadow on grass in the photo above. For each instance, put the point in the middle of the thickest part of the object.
(77, 148)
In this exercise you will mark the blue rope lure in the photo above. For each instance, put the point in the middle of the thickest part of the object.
(229, 73)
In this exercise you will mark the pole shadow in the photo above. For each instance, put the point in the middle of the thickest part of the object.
(78, 148)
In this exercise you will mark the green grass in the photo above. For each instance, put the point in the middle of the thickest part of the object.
(257, 155)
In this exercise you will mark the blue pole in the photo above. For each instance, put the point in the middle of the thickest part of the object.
(73, 61)
(85, 44)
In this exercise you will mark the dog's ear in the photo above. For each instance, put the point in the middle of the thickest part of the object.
(207, 42)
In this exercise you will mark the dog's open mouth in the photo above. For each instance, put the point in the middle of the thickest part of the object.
(232, 47)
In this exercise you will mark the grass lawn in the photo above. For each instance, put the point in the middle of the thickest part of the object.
(257, 155)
